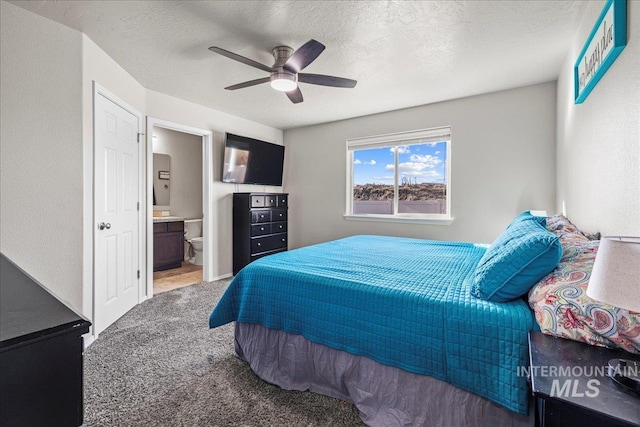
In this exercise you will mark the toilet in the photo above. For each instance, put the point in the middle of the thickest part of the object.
(193, 240)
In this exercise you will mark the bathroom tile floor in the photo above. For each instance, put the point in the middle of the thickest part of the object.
(174, 278)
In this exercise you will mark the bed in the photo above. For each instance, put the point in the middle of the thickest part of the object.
(398, 326)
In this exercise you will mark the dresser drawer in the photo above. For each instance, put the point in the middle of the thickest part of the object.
(279, 215)
(159, 227)
(270, 201)
(283, 200)
(268, 243)
(263, 254)
(257, 201)
(261, 229)
(260, 216)
(278, 227)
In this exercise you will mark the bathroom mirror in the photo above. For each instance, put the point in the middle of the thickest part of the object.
(161, 179)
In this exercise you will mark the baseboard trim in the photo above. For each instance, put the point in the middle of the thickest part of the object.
(88, 339)
(224, 276)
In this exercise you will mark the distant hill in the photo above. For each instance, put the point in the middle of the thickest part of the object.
(424, 191)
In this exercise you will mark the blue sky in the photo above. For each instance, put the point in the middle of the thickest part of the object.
(419, 162)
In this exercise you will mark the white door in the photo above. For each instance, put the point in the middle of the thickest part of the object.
(116, 211)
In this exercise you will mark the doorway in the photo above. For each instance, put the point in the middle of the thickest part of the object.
(186, 273)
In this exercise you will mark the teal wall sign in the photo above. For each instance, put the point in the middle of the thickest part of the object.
(606, 41)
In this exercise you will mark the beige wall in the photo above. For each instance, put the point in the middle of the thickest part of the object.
(176, 110)
(503, 162)
(41, 145)
(185, 183)
(598, 153)
(46, 139)
(504, 153)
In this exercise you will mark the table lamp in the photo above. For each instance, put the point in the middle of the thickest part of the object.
(615, 280)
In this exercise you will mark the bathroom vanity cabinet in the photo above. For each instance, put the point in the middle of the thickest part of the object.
(168, 245)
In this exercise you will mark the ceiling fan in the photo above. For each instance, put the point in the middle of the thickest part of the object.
(285, 73)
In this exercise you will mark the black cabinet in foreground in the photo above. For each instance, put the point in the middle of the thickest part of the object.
(41, 351)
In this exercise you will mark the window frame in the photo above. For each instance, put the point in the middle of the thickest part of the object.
(393, 140)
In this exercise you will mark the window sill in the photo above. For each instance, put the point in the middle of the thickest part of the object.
(400, 219)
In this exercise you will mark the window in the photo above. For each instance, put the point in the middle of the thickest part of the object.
(400, 177)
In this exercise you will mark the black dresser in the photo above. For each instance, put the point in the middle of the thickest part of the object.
(41, 350)
(259, 226)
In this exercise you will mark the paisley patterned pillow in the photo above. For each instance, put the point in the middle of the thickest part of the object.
(563, 309)
(560, 224)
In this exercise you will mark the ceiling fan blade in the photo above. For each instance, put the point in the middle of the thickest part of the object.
(239, 58)
(304, 56)
(295, 95)
(323, 80)
(249, 83)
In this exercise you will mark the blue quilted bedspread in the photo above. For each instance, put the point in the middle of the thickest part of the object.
(401, 302)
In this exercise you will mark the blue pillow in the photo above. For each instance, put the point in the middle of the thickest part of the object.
(526, 216)
(522, 255)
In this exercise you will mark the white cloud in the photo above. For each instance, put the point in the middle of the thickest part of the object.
(437, 152)
(415, 169)
(411, 166)
(401, 149)
(428, 160)
(359, 162)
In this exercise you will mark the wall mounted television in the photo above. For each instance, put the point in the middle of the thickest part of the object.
(251, 161)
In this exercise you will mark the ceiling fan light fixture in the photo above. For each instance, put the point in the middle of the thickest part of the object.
(285, 73)
(284, 82)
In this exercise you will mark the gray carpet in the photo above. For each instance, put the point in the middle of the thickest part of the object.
(160, 365)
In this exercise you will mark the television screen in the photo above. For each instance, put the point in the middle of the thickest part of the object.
(251, 161)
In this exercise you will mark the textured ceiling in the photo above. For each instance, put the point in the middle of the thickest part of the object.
(402, 53)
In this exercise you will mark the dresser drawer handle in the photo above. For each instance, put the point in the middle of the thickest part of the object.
(283, 240)
(261, 228)
(258, 243)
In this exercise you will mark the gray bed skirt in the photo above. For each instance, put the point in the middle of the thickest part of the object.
(385, 396)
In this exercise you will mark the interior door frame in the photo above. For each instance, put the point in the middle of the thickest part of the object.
(207, 196)
(98, 90)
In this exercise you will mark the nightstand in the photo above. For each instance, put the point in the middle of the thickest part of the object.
(571, 387)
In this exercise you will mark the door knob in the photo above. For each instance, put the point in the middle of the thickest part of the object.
(102, 226)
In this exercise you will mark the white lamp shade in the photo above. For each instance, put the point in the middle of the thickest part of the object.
(615, 279)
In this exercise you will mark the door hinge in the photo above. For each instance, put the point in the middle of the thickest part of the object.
(138, 274)
(138, 206)
(139, 136)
